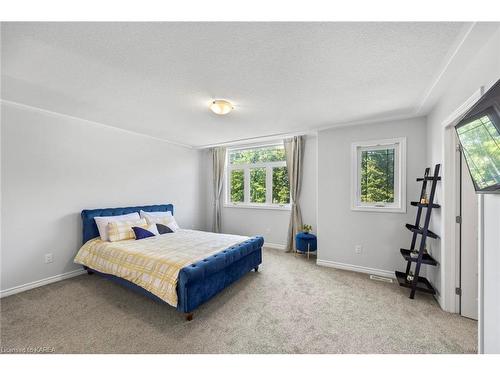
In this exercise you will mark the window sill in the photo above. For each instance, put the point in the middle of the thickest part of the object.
(395, 210)
(259, 206)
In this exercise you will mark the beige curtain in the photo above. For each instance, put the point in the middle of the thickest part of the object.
(218, 166)
(294, 151)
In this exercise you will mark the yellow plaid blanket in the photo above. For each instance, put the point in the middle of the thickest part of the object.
(154, 263)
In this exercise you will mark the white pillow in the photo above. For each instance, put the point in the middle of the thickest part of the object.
(103, 221)
(173, 225)
(145, 215)
(164, 218)
(153, 229)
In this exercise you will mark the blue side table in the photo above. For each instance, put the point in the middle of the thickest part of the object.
(306, 242)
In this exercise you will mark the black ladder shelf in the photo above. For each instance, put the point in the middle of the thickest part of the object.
(419, 256)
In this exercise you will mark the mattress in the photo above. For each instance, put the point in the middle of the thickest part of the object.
(154, 263)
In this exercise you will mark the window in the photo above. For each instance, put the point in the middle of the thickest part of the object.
(257, 177)
(379, 176)
(480, 141)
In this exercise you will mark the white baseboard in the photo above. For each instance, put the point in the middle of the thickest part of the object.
(276, 246)
(36, 284)
(352, 267)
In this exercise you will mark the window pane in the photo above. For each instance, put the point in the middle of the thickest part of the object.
(281, 188)
(481, 143)
(237, 185)
(257, 155)
(377, 176)
(258, 185)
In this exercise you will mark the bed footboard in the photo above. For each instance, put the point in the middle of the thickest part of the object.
(202, 280)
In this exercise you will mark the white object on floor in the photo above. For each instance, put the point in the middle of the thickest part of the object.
(380, 278)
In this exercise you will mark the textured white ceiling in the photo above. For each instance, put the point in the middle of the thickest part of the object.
(158, 78)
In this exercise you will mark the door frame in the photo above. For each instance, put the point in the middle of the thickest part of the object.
(458, 226)
(450, 254)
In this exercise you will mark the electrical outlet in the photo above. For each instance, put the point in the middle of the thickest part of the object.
(49, 258)
(358, 249)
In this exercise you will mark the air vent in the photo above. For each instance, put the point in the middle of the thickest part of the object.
(380, 278)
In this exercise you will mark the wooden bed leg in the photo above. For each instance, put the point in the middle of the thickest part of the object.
(189, 316)
(256, 269)
(89, 271)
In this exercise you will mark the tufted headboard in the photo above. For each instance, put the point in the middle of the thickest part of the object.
(90, 228)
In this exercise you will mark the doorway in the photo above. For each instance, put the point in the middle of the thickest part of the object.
(467, 220)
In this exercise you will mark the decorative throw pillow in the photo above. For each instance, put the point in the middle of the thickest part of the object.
(167, 219)
(141, 233)
(103, 221)
(122, 230)
(152, 228)
(163, 229)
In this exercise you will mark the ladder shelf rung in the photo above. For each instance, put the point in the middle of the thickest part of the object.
(429, 178)
(420, 230)
(427, 205)
(426, 258)
(423, 284)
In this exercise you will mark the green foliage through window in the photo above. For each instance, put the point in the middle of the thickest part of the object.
(257, 155)
(377, 176)
(481, 143)
(281, 187)
(258, 185)
(237, 185)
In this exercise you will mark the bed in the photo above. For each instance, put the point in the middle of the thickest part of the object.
(195, 282)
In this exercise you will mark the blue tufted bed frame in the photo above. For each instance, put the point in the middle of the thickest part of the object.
(197, 282)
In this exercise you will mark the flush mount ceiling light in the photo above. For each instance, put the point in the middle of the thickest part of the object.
(220, 107)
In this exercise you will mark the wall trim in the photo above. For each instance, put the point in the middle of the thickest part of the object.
(276, 246)
(312, 132)
(355, 268)
(368, 121)
(257, 140)
(456, 116)
(58, 114)
(42, 282)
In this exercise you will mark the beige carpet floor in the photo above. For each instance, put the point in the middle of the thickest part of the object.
(289, 306)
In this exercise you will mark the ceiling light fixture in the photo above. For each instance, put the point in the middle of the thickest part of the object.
(221, 107)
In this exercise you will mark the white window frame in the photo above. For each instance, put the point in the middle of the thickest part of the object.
(246, 171)
(399, 205)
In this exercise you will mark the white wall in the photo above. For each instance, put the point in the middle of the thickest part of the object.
(482, 70)
(491, 272)
(54, 166)
(272, 224)
(340, 229)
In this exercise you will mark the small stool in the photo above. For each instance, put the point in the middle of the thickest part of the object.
(306, 242)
